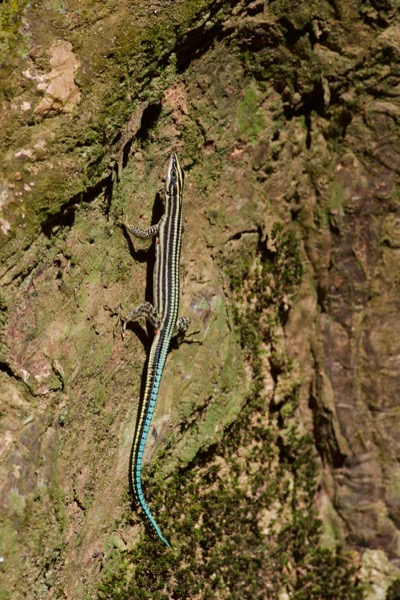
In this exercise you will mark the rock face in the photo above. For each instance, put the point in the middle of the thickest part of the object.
(286, 120)
(61, 93)
(356, 383)
(361, 351)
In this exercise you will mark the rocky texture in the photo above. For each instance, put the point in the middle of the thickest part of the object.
(61, 93)
(285, 116)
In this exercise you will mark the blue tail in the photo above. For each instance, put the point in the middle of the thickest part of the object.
(137, 485)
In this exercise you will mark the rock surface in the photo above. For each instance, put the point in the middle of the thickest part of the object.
(286, 119)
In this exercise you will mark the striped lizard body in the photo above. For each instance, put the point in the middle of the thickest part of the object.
(163, 315)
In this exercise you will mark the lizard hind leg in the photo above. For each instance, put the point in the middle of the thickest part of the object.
(180, 334)
(146, 310)
(143, 234)
(180, 330)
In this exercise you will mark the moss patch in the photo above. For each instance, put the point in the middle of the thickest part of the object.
(250, 118)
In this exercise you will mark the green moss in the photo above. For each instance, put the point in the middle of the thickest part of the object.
(193, 139)
(11, 37)
(57, 498)
(336, 196)
(16, 503)
(11, 558)
(250, 118)
(219, 549)
(97, 398)
(321, 217)
(277, 274)
(237, 265)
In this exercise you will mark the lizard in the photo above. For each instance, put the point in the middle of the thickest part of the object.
(163, 316)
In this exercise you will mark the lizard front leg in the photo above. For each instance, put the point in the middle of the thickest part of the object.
(143, 234)
(146, 310)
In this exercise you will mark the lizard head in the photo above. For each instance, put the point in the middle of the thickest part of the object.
(175, 177)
